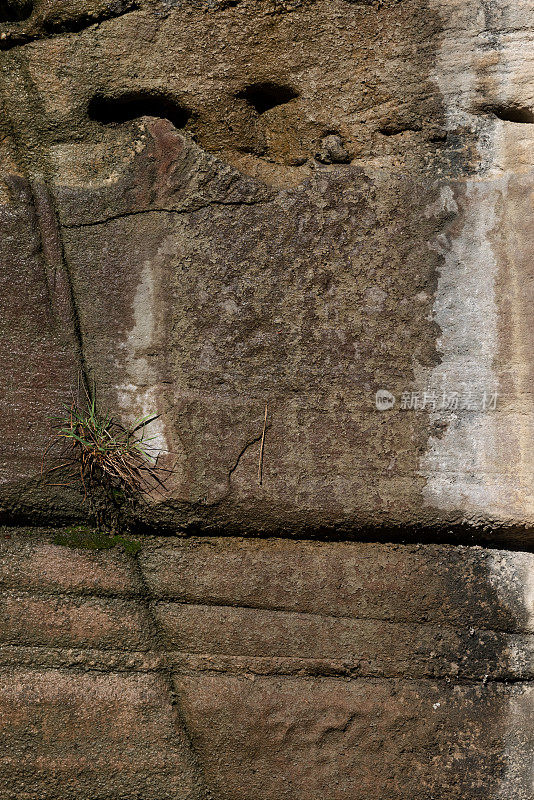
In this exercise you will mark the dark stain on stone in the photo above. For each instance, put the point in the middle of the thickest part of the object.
(394, 128)
(26, 22)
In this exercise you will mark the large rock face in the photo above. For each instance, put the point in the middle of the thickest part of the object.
(234, 669)
(210, 207)
(214, 206)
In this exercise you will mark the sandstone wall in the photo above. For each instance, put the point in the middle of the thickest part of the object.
(207, 206)
(211, 206)
(238, 669)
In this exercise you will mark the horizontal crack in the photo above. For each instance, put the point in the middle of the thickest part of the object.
(488, 537)
(468, 627)
(40, 657)
(135, 598)
(10, 39)
(180, 211)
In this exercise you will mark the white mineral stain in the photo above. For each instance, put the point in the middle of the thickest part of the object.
(458, 464)
(482, 466)
(139, 395)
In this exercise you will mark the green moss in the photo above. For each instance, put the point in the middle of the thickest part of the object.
(91, 539)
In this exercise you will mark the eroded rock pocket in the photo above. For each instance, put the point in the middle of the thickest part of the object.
(109, 110)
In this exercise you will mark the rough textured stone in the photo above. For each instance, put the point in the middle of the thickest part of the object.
(68, 622)
(241, 668)
(319, 206)
(212, 206)
(410, 584)
(291, 738)
(41, 566)
(91, 736)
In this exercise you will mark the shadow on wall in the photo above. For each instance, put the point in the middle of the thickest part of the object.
(15, 10)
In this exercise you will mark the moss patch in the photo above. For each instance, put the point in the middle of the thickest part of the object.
(91, 539)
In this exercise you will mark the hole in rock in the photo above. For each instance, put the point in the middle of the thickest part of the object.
(512, 113)
(15, 10)
(132, 105)
(264, 96)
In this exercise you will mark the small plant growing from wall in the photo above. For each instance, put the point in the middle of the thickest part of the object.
(113, 463)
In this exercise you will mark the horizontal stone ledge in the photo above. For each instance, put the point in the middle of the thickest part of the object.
(353, 646)
(63, 621)
(180, 662)
(34, 562)
(441, 584)
(250, 667)
(354, 739)
(78, 736)
(69, 734)
(86, 660)
(380, 647)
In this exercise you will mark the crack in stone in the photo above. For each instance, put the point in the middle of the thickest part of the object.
(179, 211)
(176, 662)
(47, 216)
(242, 453)
(162, 599)
(10, 40)
(167, 672)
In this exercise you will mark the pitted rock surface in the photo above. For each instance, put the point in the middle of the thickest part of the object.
(322, 207)
(234, 668)
(211, 207)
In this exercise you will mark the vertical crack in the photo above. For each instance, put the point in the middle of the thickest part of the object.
(59, 279)
(166, 671)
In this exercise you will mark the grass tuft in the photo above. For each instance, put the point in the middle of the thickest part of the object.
(115, 464)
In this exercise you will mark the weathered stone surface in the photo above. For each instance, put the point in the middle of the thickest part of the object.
(296, 738)
(298, 204)
(348, 645)
(77, 736)
(240, 668)
(71, 622)
(214, 206)
(408, 584)
(37, 360)
(31, 564)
